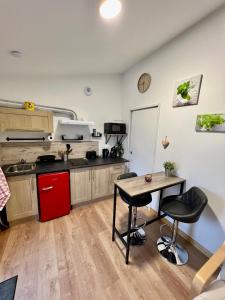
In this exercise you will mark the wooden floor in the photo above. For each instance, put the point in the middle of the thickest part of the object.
(73, 257)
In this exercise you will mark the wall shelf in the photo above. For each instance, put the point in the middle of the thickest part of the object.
(120, 137)
(8, 139)
(77, 140)
(96, 136)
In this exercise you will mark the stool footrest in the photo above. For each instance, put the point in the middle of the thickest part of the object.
(172, 252)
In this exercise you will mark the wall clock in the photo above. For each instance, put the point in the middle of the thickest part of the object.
(144, 82)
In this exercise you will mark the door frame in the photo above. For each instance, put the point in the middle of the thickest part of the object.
(157, 105)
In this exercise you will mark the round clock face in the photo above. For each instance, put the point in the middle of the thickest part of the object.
(144, 82)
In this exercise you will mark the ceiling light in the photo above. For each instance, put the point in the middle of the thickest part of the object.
(110, 8)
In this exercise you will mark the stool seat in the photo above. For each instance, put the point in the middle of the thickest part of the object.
(185, 208)
(137, 201)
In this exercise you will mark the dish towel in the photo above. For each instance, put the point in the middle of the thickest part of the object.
(4, 190)
(4, 197)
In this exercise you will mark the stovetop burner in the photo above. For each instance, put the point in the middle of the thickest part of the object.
(78, 162)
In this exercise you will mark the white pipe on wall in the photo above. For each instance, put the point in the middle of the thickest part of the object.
(10, 103)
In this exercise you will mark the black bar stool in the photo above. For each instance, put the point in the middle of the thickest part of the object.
(133, 236)
(185, 208)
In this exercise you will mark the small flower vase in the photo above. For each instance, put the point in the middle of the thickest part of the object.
(168, 172)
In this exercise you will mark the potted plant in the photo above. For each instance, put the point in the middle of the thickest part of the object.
(207, 122)
(169, 167)
(184, 91)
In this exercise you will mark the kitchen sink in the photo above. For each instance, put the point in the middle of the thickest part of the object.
(20, 168)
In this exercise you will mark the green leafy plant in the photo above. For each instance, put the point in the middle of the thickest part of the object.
(207, 122)
(169, 165)
(183, 89)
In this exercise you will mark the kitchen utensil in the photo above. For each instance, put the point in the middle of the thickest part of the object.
(113, 152)
(105, 153)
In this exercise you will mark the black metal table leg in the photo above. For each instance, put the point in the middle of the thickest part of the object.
(114, 213)
(160, 197)
(128, 234)
(181, 188)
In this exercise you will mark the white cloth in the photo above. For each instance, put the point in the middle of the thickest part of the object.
(4, 190)
(221, 276)
(215, 291)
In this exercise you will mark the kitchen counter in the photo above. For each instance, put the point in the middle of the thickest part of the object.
(58, 166)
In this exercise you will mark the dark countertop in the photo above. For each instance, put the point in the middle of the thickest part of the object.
(58, 166)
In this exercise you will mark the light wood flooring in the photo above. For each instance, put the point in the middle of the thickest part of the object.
(73, 257)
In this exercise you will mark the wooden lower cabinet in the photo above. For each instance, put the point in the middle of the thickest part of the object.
(93, 183)
(100, 182)
(85, 183)
(80, 185)
(23, 201)
(115, 171)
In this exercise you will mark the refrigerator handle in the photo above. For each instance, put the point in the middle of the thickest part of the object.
(47, 188)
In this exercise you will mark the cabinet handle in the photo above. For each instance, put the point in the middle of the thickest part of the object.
(89, 175)
(47, 188)
(93, 175)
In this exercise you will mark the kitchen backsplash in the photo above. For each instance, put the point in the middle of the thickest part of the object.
(11, 153)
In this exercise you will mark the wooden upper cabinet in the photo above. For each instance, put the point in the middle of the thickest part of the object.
(12, 119)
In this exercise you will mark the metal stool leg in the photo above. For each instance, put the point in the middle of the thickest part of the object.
(114, 213)
(172, 251)
(138, 237)
(134, 218)
(128, 234)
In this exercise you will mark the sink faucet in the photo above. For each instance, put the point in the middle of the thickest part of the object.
(22, 161)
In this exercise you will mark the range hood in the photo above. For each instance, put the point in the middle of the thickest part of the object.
(76, 122)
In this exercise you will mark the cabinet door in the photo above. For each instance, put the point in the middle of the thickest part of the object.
(100, 182)
(80, 185)
(23, 120)
(115, 171)
(23, 200)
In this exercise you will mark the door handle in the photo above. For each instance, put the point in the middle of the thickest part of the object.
(47, 188)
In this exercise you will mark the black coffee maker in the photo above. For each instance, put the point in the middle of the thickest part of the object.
(105, 153)
(113, 152)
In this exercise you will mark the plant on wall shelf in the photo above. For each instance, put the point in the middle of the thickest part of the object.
(207, 122)
(169, 167)
(183, 89)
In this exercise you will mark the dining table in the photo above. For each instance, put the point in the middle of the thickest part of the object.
(135, 186)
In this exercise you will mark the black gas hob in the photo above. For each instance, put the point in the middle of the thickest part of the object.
(78, 162)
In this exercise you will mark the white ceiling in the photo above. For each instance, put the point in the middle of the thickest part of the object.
(61, 37)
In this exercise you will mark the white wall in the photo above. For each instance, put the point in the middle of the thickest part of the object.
(200, 157)
(67, 92)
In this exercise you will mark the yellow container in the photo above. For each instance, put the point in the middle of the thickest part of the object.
(29, 105)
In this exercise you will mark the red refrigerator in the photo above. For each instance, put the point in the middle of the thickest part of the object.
(54, 195)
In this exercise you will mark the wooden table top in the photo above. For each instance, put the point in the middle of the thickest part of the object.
(136, 185)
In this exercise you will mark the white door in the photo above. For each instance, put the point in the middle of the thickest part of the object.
(143, 136)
